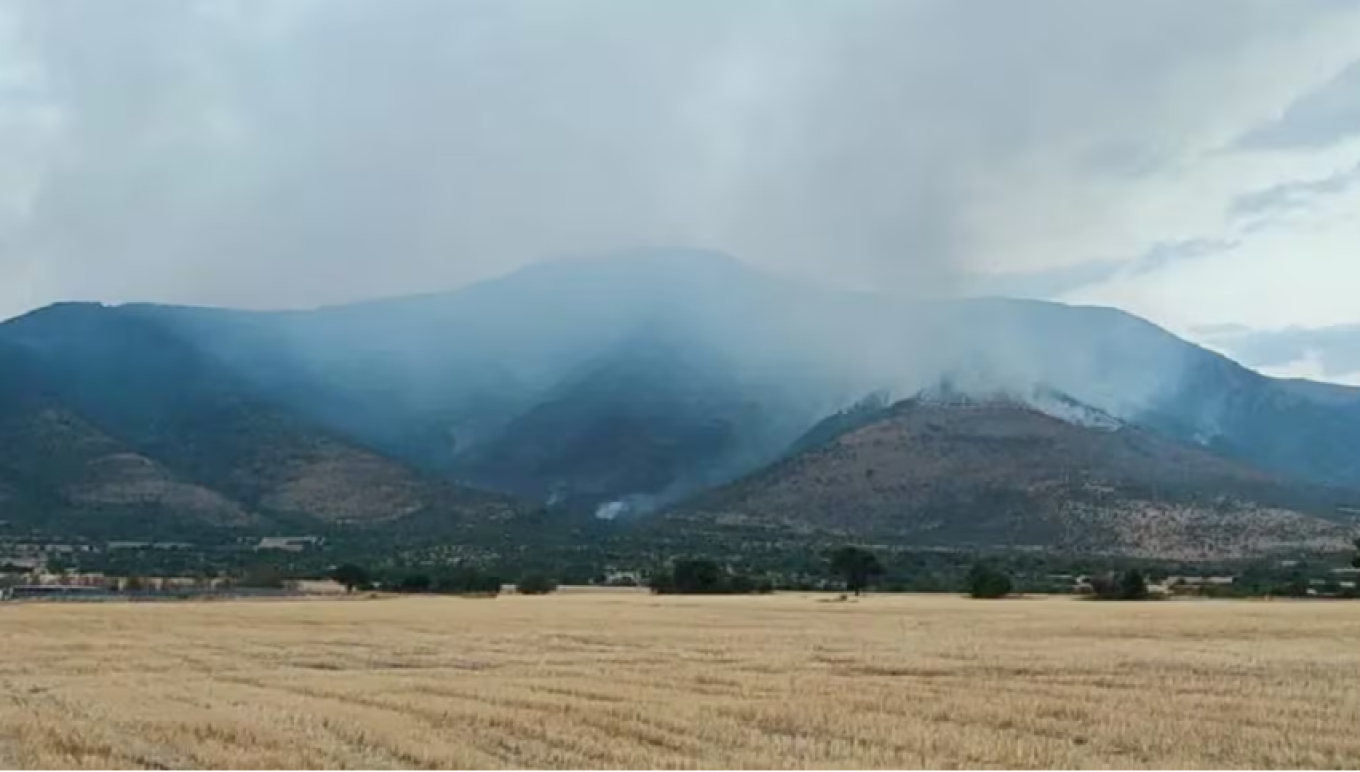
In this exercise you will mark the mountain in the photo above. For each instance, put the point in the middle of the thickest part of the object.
(113, 425)
(947, 469)
(1332, 394)
(643, 377)
(1292, 429)
(454, 383)
(631, 381)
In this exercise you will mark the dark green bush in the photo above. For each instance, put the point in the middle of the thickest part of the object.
(1129, 585)
(535, 584)
(705, 577)
(414, 583)
(351, 576)
(985, 581)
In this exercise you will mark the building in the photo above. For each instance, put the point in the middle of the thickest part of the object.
(288, 543)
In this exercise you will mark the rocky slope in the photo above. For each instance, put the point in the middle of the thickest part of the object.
(1001, 472)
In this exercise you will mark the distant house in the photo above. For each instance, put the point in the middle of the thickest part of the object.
(289, 543)
(1191, 585)
(27, 564)
(87, 580)
(624, 579)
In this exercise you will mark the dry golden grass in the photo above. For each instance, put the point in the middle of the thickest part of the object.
(625, 680)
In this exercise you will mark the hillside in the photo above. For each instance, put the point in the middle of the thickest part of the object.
(112, 427)
(644, 377)
(479, 385)
(1001, 473)
(621, 383)
(649, 422)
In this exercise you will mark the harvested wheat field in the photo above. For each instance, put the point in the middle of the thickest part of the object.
(629, 680)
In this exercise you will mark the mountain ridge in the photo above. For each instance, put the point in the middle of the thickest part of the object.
(597, 383)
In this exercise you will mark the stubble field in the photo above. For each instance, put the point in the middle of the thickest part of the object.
(629, 680)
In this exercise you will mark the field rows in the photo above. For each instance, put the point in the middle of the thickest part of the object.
(628, 680)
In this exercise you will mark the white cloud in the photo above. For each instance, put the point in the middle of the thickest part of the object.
(1297, 268)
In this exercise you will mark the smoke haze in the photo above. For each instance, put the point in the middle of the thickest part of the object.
(294, 153)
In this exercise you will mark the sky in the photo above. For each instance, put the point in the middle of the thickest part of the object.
(1196, 163)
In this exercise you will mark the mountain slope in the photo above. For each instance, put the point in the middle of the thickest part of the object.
(454, 383)
(103, 410)
(1303, 433)
(71, 473)
(998, 472)
(646, 375)
(650, 422)
(638, 377)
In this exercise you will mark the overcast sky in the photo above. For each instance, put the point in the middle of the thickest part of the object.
(1197, 163)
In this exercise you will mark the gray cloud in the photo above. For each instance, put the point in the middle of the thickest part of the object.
(1289, 196)
(1169, 253)
(299, 152)
(1061, 281)
(1317, 119)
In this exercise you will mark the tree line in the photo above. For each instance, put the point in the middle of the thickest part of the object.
(856, 568)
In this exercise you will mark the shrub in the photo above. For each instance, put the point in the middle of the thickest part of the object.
(352, 577)
(985, 581)
(1129, 585)
(1133, 585)
(535, 584)
(705, 577)
(414, 583)
(467, 581)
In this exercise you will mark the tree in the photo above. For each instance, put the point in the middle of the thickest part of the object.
(1295, 586)
(414, 583)
(857, 566)
(1128, 585)
(1133, 586)
(466, 580)
(985, 581)
(697, 577)
(661, 582)
(351, 576)
(535, 584)
(705, 577)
